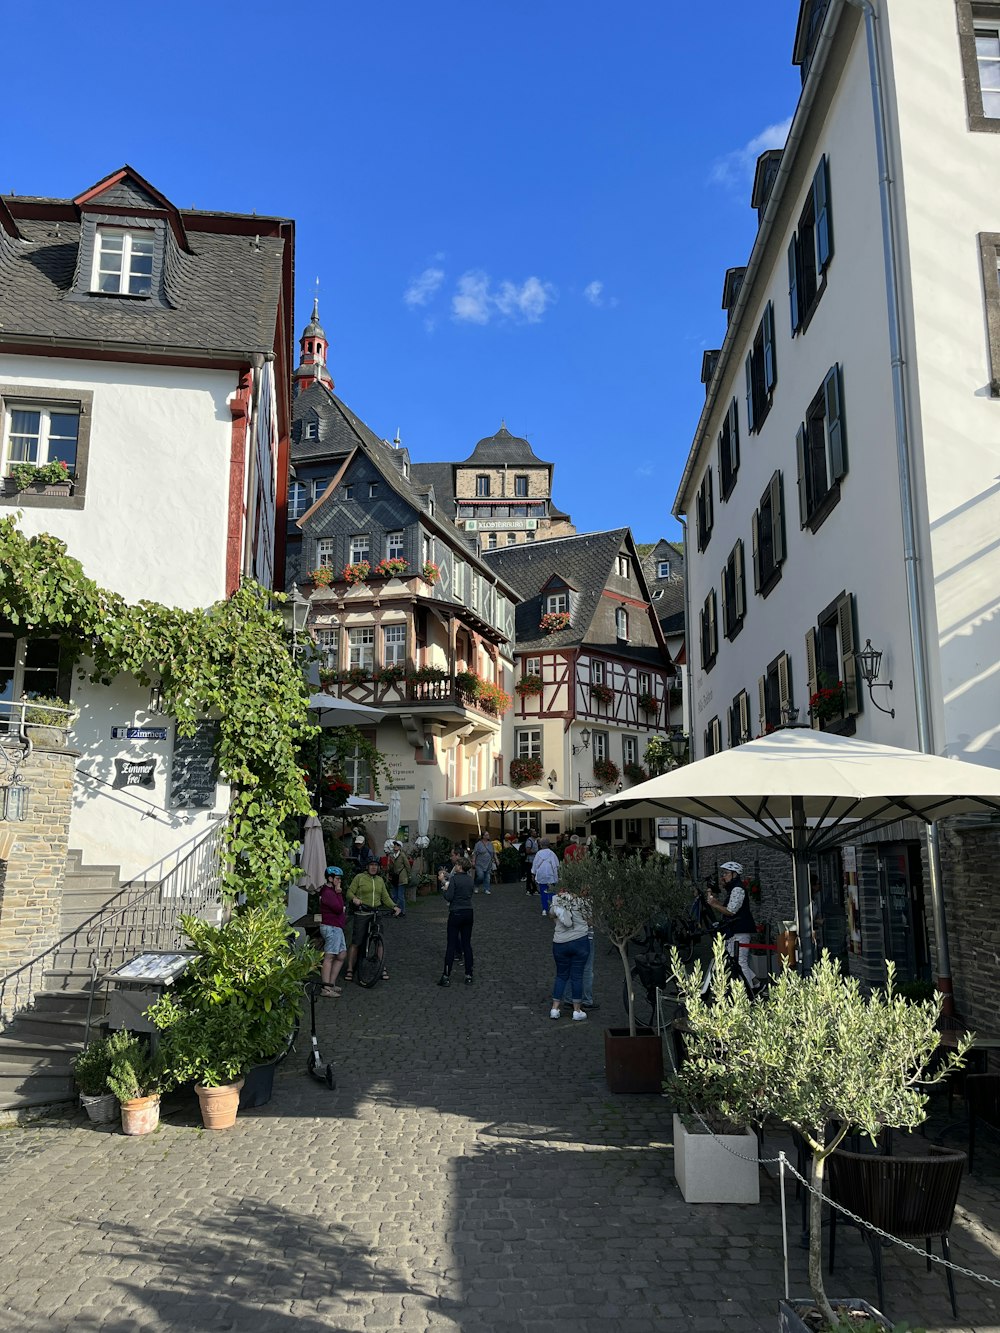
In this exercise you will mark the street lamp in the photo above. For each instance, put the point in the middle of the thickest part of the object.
(870, 662)
(584, 741)
(295, 614)
(678, 745)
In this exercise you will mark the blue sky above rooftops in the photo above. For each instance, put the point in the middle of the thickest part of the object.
(517, 209)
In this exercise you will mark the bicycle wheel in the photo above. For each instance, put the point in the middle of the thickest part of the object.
(372, 961)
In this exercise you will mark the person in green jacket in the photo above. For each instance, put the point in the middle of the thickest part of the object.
(367, 892)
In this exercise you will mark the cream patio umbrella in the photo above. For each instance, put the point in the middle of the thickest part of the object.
(392, 818)
(312, 862)
(500, 799)
(807, 791)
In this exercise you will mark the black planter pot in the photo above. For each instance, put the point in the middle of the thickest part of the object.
(790, 1313)
(633, 1064)
(258, 1084)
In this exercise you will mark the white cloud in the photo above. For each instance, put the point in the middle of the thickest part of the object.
(476, 300)
(423, 287)
(737, 168)
(594, 293)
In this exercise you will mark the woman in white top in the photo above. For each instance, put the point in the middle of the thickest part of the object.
(570, 949)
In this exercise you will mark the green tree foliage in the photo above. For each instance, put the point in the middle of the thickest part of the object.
(228, 661)
(817, 1055)
(621, 897)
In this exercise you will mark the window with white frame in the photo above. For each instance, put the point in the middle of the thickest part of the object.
(428, 550)
(394, 546)
(483, 486)
(663, 569)
(296, 499)
(601, 744)
(41, 434)
(361, 640)
(491, 541)
(357, 771)
(597, 671)
(123, 262)
(622, 564)
(621, 624)
(28, 667)
(459, 580)
(630, 750)
(643, 682)
(328, 642)
(532, 666)
(360, 547)
(393, 645)
(325, 548)
(988, 63)
(528, 742)
(319, 485)
(556, 602)
(348, 492)
(372, 490)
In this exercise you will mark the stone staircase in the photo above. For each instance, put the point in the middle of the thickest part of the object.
(37, 1048)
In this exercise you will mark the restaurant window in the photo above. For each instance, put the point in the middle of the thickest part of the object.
(362, 647)
(630, 750)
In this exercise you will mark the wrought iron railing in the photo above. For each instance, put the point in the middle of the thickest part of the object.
(144, 915)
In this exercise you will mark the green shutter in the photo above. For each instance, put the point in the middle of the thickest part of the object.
(812, 671)
(751, 414)
(755, 543)
(848, 662)
(823, 225)
(800, 460)
(835, 432)
(793, 285)
(777, 519)
(770, 358)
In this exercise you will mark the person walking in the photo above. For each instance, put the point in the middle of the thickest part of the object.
(458, 891)
(368, 892)
(333, 924)
(570, 949)
(545, 872)
(399, 870)
(529, 848)
(484, 859)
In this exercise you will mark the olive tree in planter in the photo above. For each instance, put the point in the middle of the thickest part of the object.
(621, 897)
(819, 1056)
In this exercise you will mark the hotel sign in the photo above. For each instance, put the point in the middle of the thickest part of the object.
(501, 524)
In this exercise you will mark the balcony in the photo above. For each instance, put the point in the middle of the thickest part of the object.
(456, 696)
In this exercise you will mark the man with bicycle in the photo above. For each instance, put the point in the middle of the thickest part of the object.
(737, 919)
(368, 893)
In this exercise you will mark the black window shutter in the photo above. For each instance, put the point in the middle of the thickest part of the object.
(700, 516)
(755, 544)
(725, 600)
(812, 671)
(793, 284)
(734, 436)
(713, 625)
(762, 698)
(741, 581)
(709, 505)
(835, 432)
(744, 705)
(848, 662)
(784, 683)
(770, 362)
(800, 458)
(777, 519)
(702, 634)
(751, 414)
(823, 226)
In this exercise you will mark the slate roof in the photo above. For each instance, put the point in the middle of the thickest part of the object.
(668, 593)
(585, 562)
(496, 450)
(221, 297)
(442, 477)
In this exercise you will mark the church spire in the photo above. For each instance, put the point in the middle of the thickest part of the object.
(313, 347)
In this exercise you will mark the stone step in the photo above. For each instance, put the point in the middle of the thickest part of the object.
(65, 1029)
(35, 1087)
(66, 1002)
(67, 978)
(21, 1049)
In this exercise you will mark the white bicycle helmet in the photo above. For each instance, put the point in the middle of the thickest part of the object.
(734, 866)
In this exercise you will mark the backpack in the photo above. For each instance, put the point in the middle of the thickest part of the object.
(530, 845)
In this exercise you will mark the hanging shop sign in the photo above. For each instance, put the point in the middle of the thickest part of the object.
(135, 773)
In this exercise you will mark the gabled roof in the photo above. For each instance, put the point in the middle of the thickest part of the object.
(586, 561)
(442, 477)
(667, 593)
(502, 448)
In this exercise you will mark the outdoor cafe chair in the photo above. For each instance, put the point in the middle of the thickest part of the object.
(910, 1198)
(982, 1095)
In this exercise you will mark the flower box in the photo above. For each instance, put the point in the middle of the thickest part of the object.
(529, 685)
(391, 568)
(714, 1168)
(430, 572)
(602, 693)
(647, 703)
(606, 772)
(10, 488)
(525, 771)
(554, 621)
(358, 572)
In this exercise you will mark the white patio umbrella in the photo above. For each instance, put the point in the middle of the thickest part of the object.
(334, 712)
(424, 814)
(501, 798)
(555, 798)
(313, 859)
(807, 791)
(392, 819)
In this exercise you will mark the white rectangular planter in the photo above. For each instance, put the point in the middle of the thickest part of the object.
(708, 1173)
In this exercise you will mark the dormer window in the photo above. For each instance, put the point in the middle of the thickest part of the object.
(557, 602)
(123, 262)
(310, 430)
(663, 569)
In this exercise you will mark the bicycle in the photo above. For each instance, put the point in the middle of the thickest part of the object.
(652, 971)
(371, 962)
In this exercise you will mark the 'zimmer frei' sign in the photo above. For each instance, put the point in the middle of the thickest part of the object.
(134, 773)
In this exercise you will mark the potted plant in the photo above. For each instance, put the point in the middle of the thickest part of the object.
(606, 772)
(425, 886)
(510, 863)
(467, 683)
(392, 674)
(819, 1056)
(391, 568)
(356, 572)
(209, 1048)
(321, 576)
(528, 685)
(48, 718)
(430, 572)
(635, 774)
(355, 675)
(622, 897)
(647, 702)
(135, 1079)
(553, 621)
(827, 704)
(493, 699)
(525, 772)
(53, 478)
(91, 1069)
(602, 693)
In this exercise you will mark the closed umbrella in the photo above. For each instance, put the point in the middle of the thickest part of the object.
(313, 859)
(424, 814)
(392, 818)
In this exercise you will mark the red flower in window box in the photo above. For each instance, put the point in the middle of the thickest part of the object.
(828, 702)
(553, 621)
(525, 771)
(606, 772)
(391, 568)
(358, 572)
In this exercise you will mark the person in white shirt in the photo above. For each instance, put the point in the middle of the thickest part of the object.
(570, 949)
(545, 872)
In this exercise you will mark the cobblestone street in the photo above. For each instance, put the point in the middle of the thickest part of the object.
(470, 1172)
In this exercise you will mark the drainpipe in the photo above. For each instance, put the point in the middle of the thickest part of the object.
(688, 699)
(903, 456)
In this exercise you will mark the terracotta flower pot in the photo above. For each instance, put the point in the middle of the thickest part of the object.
(102, 1109)
(141, 1116)
(219, 1105)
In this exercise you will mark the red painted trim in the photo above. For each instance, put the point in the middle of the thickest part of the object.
(624, 600)
(239, 406)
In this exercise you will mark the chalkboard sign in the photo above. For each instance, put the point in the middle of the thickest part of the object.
(193, 771)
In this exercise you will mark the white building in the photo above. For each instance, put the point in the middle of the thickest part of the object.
(842, 481)
(148, 348)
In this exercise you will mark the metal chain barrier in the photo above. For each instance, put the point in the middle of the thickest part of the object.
(782, 1162)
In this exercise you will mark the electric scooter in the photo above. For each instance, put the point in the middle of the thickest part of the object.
(323, 1073)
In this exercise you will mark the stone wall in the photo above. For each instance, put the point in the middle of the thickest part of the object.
(31, 879)
(970, 871)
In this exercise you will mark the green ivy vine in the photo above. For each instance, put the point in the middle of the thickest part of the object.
(229, 661)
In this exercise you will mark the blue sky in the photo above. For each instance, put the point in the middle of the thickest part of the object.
(518, 210)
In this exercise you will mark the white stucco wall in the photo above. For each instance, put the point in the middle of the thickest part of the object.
(947, 186)
(155, 520)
